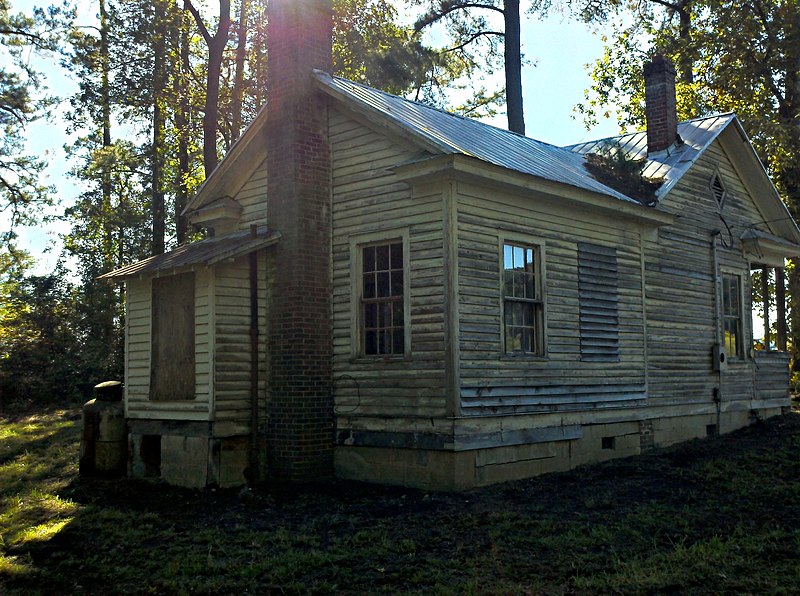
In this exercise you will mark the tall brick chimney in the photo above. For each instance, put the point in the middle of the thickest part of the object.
(660, 109)
(299, 344)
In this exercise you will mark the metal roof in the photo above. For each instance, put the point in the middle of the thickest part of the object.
(206, 252)
(453, 134)
(670, 164)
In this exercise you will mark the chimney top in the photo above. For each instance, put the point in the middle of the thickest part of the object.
(660, 105)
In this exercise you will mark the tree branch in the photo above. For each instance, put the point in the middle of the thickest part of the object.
(447, 8)
(472, 38)
(187, 5)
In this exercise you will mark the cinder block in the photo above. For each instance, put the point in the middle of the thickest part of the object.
(184, 460)
(233, 461)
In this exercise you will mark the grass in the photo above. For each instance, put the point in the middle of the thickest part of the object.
(712, 516)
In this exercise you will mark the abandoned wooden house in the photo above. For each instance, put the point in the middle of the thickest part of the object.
(395, 294)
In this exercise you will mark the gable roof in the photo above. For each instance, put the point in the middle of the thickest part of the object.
(670, 164)
(445, 133)
(697, 135)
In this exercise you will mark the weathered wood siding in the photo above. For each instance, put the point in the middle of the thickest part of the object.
(493, 382)
(137, 355)
(253, 199)
(232, 352)
(367, 199)
(681, 288)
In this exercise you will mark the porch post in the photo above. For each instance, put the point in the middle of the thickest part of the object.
(765, 298)
(780, 302)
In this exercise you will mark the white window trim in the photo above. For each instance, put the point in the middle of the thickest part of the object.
(357, 242)
(541, 287)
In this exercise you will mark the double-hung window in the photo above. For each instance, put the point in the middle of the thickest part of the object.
(732, 314)
(523, 308)
(382, 299)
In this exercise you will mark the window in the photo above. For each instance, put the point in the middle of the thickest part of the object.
(383, 299)
(523, 320)
(732, 314)
(172, 338)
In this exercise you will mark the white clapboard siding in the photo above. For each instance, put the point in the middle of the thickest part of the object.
(368, 199)
(137, 357)
(565, 379)
(681, 291)
(232, 357)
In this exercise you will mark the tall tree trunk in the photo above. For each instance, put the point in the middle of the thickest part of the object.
(182, 124)
(216, 47)
(238, 79)
(686, 60)
(513, 67)
(156, 157)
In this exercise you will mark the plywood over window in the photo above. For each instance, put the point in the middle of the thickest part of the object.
(172, 374)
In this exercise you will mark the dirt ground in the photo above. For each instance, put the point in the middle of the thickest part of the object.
(717, 515)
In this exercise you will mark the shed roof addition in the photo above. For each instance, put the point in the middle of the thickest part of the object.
(207, 252)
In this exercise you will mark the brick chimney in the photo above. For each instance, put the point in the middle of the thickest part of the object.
(660, 108)
(299, 343)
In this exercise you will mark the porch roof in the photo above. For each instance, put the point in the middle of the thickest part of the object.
(208, 252)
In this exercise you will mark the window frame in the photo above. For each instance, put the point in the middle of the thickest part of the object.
(357, 326)
(738, 317)
(539, 302)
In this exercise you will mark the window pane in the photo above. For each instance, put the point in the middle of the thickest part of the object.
(385, 314)
(370, 315)
(530, 287)
(528, 315)
(397, 314)
(527, 340)
(383, 284)
(519, 257)
(382, 257)
(369, 258)
(384, 342)
(370, 342)
(397, 282)
(396, 255)
(529, 260)
(398, 346)
(369, 285)
(508, 260)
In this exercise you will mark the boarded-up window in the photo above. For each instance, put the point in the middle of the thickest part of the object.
(172, 340)
(523, 320)
(382, 293)
(598, 281)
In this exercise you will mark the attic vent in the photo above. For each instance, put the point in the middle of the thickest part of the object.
(718, 189)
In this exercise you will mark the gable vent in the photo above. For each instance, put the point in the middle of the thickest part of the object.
(718, 189)
(598, 280)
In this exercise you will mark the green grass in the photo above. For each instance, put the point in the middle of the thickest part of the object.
(715, 516)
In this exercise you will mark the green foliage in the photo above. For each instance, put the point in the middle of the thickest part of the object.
(614, 168)
(22, 194)
(41, 341)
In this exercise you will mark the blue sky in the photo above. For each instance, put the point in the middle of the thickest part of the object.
(556, 48)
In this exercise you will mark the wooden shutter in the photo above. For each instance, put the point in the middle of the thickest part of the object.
(172, 338)
(598, 280)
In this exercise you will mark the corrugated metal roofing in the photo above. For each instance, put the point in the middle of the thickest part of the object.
(670, 164)
(453, 134)
(206, 252)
